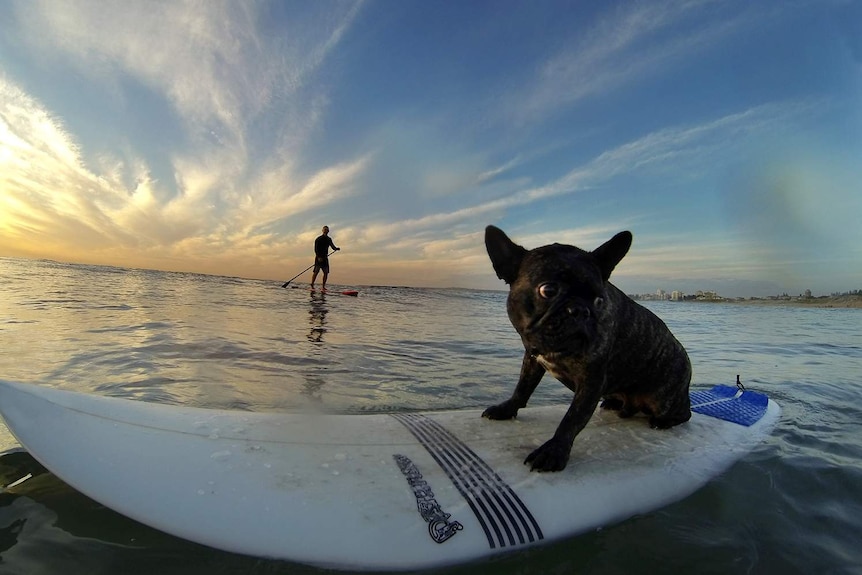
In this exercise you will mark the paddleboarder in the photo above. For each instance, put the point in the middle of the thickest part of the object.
(321, 256)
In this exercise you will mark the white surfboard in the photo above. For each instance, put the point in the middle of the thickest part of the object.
(383, 491)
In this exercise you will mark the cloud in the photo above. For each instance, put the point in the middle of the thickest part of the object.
(216, 66)
(51, 198)
(222, 71)
(637, 41)
(278, 200)
(455, 236)
(40, 160)
(493, 173)
(670, 146)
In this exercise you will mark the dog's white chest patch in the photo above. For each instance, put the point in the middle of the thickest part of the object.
(549, 366)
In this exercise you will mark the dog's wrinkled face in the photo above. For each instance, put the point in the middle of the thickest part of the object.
(556, 292)
(556, 302)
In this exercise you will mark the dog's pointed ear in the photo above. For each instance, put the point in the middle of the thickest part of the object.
(506, 255)
(609, 254)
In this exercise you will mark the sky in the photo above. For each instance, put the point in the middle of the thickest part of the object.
(219, 137)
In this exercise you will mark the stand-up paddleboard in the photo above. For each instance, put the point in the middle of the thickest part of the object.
(350, 292)
(382, 491)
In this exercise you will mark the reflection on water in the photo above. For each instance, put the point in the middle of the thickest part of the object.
(312, 387)
(314, 383)
(317, 317)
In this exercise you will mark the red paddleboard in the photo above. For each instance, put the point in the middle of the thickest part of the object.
(351, 292)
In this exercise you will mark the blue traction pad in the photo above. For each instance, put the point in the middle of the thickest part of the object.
(722, 402)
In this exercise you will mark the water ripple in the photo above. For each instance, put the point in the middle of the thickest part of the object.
(249, 345)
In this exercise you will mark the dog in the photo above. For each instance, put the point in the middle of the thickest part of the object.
(589, 335)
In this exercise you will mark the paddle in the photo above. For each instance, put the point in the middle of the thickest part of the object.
(285, 284)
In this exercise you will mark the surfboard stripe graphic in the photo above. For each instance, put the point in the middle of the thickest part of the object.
(501, 513)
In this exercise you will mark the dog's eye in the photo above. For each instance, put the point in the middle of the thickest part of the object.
(548, 290)
(598, 303)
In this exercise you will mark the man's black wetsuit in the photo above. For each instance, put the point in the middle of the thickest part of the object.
(321, 253)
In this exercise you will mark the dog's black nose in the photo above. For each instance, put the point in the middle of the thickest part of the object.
(579, 312)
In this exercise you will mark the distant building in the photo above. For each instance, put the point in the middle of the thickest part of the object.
(677, 295)
(707, 295)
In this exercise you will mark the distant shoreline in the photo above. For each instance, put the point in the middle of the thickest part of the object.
(839, 301)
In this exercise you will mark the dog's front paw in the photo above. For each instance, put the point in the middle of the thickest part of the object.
(505, 410)
(552, 456)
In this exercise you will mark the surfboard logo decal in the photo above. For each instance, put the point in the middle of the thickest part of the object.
(439, 526)
(503, 516)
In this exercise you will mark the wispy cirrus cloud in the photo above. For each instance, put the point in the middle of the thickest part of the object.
(219, 67)
(675, 146)
(629, 44)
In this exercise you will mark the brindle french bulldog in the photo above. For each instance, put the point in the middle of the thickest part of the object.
(588, 334)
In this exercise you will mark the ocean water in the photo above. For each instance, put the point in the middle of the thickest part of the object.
(794, 505)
